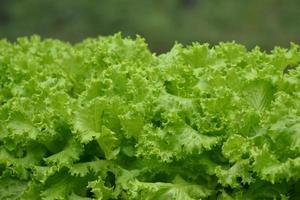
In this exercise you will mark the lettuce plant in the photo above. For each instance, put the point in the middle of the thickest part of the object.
(107, 119)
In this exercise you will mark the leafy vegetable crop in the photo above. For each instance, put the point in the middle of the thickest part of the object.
(107, 119)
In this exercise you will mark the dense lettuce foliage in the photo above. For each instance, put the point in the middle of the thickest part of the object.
(107, 119)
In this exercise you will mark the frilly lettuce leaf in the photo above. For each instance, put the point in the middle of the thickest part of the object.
(178, 189)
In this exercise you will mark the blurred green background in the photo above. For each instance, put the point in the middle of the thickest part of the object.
(266, 23)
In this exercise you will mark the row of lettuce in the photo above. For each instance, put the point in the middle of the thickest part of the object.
(107, 119)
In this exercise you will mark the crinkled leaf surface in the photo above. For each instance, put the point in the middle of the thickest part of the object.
(107, 119)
